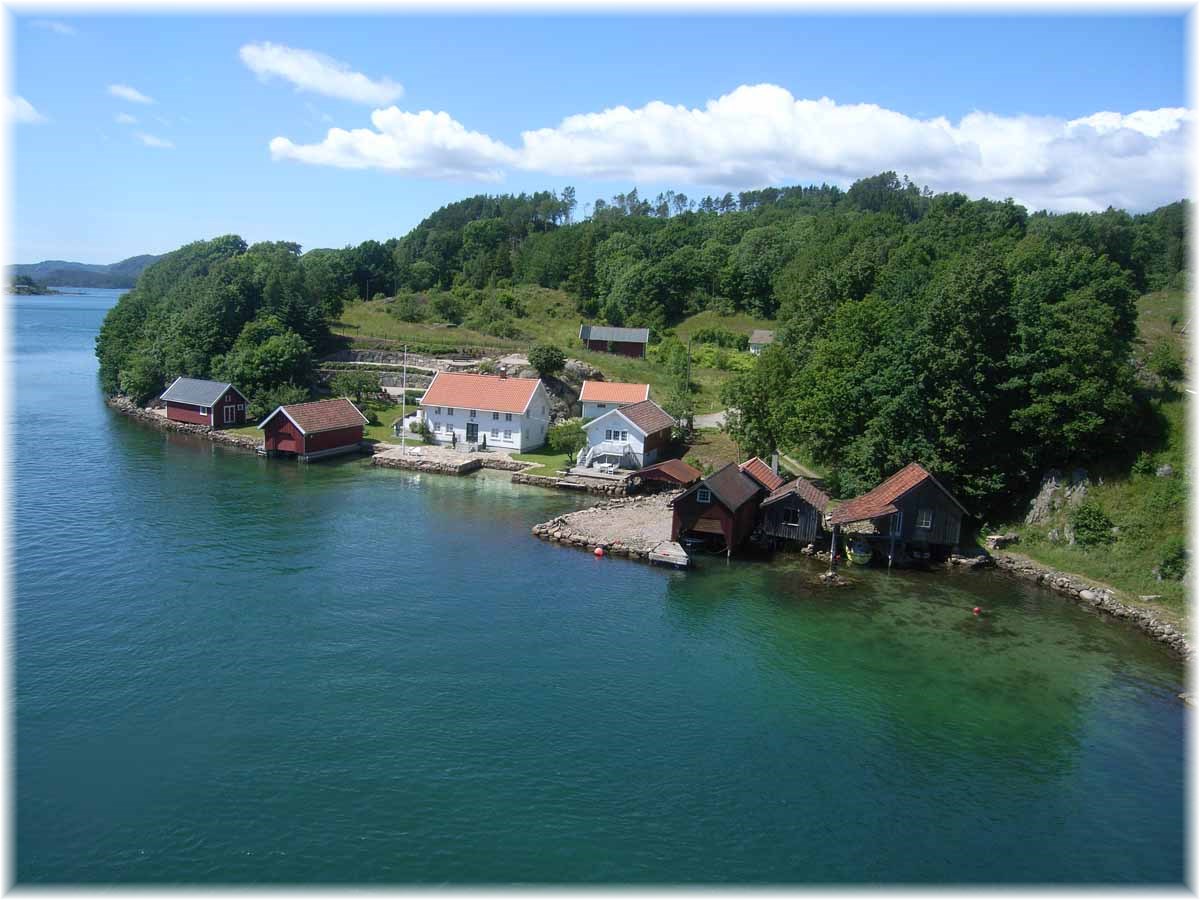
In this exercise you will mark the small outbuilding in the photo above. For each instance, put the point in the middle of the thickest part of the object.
(197, 401)
(670, 473)
(760, 338)
(723, 505)
(629, 437)
(314, 430)
(606, 339)
(794, 512)
(766, 475)
(911, 512)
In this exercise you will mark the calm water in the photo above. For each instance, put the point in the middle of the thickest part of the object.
(236, 670)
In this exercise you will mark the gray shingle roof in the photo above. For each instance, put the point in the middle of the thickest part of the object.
(730, 485)
(608, 333)
(196, 391)
(648, 416)
(759, 336)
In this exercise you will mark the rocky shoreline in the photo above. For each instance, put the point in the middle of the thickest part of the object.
(626, 526)
(127, 407)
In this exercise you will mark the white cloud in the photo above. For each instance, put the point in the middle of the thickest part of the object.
(151, 141)
(20, 110)
(760, 135)
(315, 72)
(51, 25)
(426, 144)
(125, 119)
(125, 92)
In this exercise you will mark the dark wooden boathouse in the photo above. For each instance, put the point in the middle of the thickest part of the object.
(724, 504)
(794, 512)
(911, 512)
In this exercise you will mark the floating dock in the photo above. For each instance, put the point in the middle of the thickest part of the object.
(669, 553)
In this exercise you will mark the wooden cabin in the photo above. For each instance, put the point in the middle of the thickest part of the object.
(911, 512)
(314, 430)
(759, 339)
(794, 512)
(606, 339)
(725, 504)
(670, 473)
(197, 401)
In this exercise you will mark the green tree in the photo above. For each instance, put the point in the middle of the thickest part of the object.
(547, 359)
(356, 385)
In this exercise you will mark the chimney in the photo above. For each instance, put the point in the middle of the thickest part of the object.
(775, 462)
(504, 373)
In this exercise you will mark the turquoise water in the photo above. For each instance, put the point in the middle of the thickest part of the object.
(237, 670)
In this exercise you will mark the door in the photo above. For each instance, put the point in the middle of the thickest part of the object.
(472, 432)
(230, 413)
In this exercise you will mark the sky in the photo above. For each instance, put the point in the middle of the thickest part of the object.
(137, 134)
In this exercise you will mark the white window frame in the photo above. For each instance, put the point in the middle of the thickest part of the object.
(507, 435)
(437, 410)
(704, 495)
(925, 518)
(508, 417)
(495, 417)
(496, 433)
(472, 414)
(230, 413)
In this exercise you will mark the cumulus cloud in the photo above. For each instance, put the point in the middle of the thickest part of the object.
(125, 92)
(151, 141)
(51, 25)
(759, 135)
(315, 72)
(124, 119)
(21, 111)
(426, 143)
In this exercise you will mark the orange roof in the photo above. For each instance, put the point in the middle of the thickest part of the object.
(761, 472)
(880, 501)
(675, 470)
(613, 392)
(320, 415)
(493, 393)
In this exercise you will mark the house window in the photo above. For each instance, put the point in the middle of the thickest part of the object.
(896, 523)
(925, 518)
(437, 426)
(508, 417)
(601, 406)
(704, 495)
(791, 517)
(508, 435)
(472, 414)
(449, 410)
(438, 410)
(495, 417)
(624, 435)
(495, 432)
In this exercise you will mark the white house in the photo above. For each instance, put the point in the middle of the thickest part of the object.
(759, 338)
(629, 437)
(598, 397)
(510, 413)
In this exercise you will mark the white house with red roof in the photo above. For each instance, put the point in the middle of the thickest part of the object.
(507, 413)
(599, 397)
(628, 437)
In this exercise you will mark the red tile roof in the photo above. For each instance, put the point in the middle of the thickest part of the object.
(761, 472)
(321, 415)
(803, 489)
(675, 469)
(493, 393)
(879, 501)
(613, 392)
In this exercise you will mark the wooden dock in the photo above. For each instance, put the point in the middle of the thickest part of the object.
(669, 553)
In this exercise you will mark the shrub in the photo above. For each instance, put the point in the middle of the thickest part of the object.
(547, 359)
(1165, 361)
(265, 402)
(355, 385)
(1174, 561)
(721, 337)
(1091, 526)
(567, 437)
(1144, 464)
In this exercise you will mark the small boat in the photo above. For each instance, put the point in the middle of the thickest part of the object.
(859, 552)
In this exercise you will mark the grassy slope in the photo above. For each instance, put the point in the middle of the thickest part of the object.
(1149, 511)
(551, 318)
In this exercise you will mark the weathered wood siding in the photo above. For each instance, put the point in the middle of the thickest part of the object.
(947, 517)
(773, 516)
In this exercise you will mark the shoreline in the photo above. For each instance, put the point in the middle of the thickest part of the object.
(562, 529)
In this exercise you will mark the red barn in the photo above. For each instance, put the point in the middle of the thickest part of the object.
(313, 430)
(724, 505)
(196, 401)
(605, 339)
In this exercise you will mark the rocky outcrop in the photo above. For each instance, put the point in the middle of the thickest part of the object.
(1100, 599)
(1057, 492)
(127, 407)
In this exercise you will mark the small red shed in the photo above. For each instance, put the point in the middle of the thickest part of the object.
(606, 339)
(313, 430)
(197, 401)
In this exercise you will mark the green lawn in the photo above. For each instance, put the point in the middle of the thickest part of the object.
(548, 461)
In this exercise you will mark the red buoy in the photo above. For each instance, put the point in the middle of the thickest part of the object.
(599, 551)
(976, 610)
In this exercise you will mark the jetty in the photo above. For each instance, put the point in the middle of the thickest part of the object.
(634, 527)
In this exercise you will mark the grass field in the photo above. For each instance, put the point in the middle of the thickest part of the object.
(550, 318)
(548, 461)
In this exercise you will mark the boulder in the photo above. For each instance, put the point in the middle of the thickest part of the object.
(1164, 471)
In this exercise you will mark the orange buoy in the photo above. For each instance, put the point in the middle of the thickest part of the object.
(599, 551)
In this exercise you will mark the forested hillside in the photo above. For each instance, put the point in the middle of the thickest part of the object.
(980, 339)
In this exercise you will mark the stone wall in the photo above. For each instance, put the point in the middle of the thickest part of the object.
(1100, 599)
(420, 464)
(127, 407)
(605, 488)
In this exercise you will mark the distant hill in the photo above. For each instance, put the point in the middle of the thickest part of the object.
(62, 273)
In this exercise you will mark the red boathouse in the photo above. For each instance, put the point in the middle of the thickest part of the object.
(196, 401)
(313, 430)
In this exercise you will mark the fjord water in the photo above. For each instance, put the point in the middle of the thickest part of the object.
(229, 669)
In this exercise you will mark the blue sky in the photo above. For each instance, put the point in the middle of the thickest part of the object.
(90, 188)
